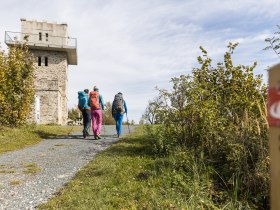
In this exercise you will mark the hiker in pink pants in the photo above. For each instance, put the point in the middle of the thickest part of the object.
(96, 116)
(96, 105)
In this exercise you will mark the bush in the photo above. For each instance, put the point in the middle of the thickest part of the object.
(221, 113)
(17, 85)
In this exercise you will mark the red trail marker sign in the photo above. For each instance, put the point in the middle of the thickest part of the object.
(273, 107)
(273, 110)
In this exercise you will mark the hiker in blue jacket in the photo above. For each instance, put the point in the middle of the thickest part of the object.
(84, 107)
(119, 108)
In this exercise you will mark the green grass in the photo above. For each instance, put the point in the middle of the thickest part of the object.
(31, 168)
(15, 182)
(7, 171)
(128, 176)
(60, 145)
(18, 138)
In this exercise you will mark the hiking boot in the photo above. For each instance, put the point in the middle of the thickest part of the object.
(84, 134)
(95, 137)
(98, 136)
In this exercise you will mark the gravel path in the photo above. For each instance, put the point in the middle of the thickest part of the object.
(54, 162)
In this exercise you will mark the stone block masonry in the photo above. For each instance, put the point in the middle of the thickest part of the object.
(50, 45)
(51, 85)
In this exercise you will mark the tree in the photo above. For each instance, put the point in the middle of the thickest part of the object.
(142, 120)
(151, 114)
(17, 85)
(274, 42)
(107, 115)
(74, 114)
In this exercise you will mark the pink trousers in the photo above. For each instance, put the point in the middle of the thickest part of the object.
(96, 117)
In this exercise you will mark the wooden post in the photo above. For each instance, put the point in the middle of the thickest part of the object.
(274, 134)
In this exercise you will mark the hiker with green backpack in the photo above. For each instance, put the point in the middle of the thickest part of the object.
(83, 105)
(96, 105)
(119, 108)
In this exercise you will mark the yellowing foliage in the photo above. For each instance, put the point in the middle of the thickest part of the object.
(17, 85)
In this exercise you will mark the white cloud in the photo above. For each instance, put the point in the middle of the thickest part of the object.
(133, 46)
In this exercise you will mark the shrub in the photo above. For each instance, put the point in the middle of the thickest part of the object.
(220, 112)
(17, 85)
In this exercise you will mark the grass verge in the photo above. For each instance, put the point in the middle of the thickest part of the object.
(18, 138)
(128, 176)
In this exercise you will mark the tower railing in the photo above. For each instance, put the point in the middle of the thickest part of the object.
(43, 40)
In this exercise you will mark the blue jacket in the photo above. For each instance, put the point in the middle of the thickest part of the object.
(83, 100)
(101, 101)
(125, 107)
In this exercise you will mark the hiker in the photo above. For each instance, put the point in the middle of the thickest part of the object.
(118, 109)
(83, 105)
(97, 105)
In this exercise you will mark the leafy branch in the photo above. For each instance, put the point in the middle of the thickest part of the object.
(274, 42)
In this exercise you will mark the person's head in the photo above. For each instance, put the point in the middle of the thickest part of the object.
(86, 90)
(95, 88)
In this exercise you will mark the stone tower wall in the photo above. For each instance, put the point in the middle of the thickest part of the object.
(51, 80)
(55, 32)
(51, 85)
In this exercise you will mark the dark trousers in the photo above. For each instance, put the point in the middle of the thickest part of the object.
(86, 119)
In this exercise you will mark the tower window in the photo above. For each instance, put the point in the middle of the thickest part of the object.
(39, 61)
(47, 37)
(40, 36)
(46, 61)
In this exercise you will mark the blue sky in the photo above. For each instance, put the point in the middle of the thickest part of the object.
(133, 46)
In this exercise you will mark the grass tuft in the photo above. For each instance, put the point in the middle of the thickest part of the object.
(15, 182)
(7, 171)
(31, 168)
(59, 145)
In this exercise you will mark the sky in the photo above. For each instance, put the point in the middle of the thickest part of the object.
(133, 46)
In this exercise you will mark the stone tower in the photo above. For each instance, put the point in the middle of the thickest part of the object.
(53, 50)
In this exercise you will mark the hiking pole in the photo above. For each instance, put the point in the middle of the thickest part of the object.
(103, 125)
(127, 123)
(104, 129)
